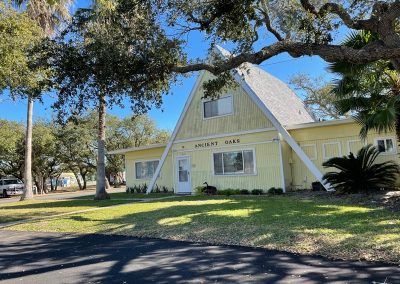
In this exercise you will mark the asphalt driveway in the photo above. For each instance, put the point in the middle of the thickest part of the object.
(27, 257)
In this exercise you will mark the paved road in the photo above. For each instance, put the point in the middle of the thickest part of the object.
(27, 257)
(61, 196)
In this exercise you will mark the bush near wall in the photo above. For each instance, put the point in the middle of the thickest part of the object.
(142, 188)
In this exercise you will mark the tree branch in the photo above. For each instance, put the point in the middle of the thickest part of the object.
(340, 11)
(330, 53)
(267, 21)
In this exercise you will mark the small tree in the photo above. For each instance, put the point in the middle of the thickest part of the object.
(11, 148)
(360, 173)
(76, 143)
(318, 96)
(106, 57)
(130, 132)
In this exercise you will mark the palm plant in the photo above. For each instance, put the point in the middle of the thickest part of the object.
(360, 173)
(49, 15)
(370, 92)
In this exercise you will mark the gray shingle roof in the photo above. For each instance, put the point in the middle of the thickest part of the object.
(284, 104)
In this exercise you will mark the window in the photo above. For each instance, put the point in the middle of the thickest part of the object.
(218, 107)
(331, 149)
(310, 150)
(12, 181)
(234, 163)
(145, 169)
(385, 145)
(353, 146)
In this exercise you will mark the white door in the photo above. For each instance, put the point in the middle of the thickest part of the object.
(183, 175)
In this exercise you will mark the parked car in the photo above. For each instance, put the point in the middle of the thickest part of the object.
(11, 187)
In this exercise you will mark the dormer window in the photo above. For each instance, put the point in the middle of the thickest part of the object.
(218, 107)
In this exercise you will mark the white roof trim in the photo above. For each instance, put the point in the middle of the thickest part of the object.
(175, 132)
(132, 149)
(320, 123)
(269, 115)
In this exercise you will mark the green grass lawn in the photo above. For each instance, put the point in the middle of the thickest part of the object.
(23, 210)
(283, 222)
(124, 195)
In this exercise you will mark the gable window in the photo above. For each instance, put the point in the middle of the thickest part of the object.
(234, 162)
(385, 145)
(218, 107)
(145, 169)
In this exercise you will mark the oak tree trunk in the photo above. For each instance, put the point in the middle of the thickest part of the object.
(101, 192)
(28, 191)
(78, 181)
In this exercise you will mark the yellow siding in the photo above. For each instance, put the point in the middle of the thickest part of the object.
(266, 147)
(246, 116)
(286, 158)
(316, 142)
(165, 178)
(336, 139)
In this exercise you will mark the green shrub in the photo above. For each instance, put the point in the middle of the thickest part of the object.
(359, 173)
(228, 192)
(275, 191)
(244, 191)
(165, 189)
(257, 192)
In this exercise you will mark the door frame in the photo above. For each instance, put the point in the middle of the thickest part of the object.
(176, 174)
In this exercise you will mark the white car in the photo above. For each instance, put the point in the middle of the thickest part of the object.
(11, 187)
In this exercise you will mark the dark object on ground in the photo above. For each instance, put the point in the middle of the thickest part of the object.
(120, 259)
(209, 189)
(316, 186)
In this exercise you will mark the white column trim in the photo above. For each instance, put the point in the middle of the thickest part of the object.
(175, 132)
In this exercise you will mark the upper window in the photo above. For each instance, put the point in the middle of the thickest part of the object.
(145, 169)
(385, 145)
(218, 107)
(234, 163)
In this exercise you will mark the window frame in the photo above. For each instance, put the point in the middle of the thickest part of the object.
(315, 150)
(353, 141)
(234, 174)
(331, 143)
(209, 100)
(384, 138)
(144, 161)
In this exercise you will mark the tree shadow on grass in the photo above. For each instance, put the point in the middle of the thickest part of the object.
(22, 211)
(119, 259)
(325, 229)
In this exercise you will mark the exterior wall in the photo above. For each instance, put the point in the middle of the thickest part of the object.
(286, 158)
(165, 178)
(267, 161)
(246, 115)
(336, 140)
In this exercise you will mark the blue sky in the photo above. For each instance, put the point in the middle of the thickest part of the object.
(283, 67)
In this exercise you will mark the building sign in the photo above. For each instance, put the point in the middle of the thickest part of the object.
(209, 144)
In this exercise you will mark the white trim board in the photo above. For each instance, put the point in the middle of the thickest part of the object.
(354, 141)
(315, 150)
(252, 131)
(268, 114)
(175, 132)
(285, 134)
(324, 156)
(233, 147)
